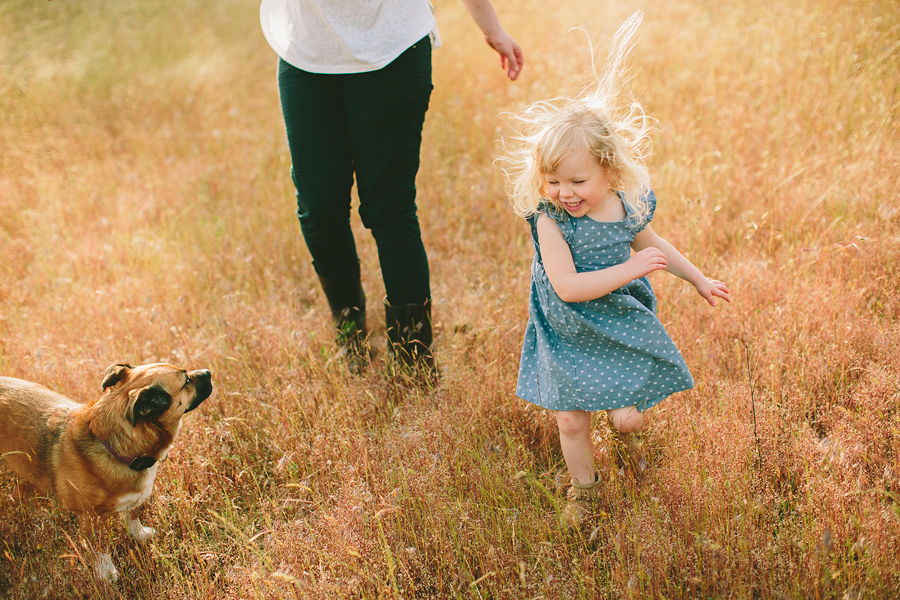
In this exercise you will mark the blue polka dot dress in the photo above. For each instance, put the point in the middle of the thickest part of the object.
(601, 354)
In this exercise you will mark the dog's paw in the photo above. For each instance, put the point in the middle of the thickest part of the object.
(143, 534)
(136, 529)
(138, 532)
(104, 567)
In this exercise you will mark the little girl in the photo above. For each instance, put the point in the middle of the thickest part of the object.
(593, 341)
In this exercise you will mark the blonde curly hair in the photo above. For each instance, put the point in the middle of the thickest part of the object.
(603, 120)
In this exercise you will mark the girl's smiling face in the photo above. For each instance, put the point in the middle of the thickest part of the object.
(579, 184)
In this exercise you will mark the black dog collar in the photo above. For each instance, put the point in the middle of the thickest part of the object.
(139, 463)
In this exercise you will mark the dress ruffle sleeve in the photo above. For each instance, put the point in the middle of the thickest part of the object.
(562, 219)
(634, 223)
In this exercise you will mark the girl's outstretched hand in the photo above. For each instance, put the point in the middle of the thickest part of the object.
(646, 261)
(711, 288)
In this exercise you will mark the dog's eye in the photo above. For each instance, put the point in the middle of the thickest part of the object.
(187, 382)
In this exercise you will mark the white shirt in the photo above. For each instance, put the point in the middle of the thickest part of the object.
(345, 36)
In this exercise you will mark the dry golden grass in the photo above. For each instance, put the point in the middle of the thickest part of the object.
(146, 213)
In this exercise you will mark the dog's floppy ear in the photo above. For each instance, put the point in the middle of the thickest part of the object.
(114, 374)
(147, 403)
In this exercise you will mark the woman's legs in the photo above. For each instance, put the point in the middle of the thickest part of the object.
(322, 167)
(385, 114)
(322, 170)
(369, 124)
(577, 448)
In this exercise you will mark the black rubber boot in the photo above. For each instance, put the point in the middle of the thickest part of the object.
(347, 302)
(409, 337)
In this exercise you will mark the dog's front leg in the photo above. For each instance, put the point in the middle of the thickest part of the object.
(135, 528)
(92, 530)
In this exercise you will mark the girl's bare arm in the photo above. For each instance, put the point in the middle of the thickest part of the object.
(572, 286)
(680, 266)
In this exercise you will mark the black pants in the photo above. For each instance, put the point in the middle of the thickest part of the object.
(367, 124)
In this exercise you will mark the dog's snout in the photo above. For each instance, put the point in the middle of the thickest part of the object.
(203, 385)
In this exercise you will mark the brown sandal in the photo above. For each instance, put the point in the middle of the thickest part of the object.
(577, 509)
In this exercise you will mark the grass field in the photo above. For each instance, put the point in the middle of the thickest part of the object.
(147, 214)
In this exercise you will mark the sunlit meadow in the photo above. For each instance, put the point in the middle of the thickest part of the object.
(147, 214)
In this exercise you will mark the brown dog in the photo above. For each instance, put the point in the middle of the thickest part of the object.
(99, 458)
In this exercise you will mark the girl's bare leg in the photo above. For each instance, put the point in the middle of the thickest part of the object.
(626, 420)
(577, 448)
(627, 448)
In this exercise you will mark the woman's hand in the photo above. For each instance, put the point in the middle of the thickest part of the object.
(510, 53)
(710, 289)
(646, 261)
(485, 17)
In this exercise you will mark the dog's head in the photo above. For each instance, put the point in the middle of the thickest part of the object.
(149, 400)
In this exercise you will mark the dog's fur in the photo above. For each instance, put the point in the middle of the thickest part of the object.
(80, 452)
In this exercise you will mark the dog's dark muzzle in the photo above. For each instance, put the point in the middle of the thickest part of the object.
(203, 384)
